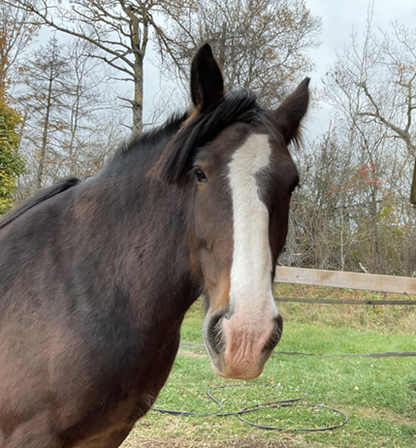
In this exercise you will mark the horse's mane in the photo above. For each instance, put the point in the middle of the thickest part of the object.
(39, 197)
(176, 159)
(153, 137)
(175, 143)
(178, 153)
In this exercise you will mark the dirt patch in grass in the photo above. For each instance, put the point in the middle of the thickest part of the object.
(384, 415)
(191, 354)
(137, 441)
(175, 433)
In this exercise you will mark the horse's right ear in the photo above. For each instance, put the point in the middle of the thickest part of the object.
(207, 84)
(207, 90)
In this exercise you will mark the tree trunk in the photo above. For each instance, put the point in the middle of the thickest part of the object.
(413, 188)
(74, 129)
(139, 50)
(137, 103)
(41, 165)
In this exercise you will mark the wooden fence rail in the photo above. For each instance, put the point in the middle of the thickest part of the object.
(348, 280)
(345, 301)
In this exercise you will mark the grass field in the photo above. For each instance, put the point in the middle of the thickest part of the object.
(377, 394)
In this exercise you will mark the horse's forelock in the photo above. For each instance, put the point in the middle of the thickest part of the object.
(176, 158)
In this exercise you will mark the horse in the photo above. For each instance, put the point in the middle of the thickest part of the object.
(96, 275)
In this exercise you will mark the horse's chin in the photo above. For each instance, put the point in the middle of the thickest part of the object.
(237, 376)
(217, 372)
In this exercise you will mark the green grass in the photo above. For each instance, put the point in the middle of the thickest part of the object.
(378, 394)
(382, 319)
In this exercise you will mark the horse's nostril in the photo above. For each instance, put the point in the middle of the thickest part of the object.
(214, 332)
(276, 335)
(279, 323)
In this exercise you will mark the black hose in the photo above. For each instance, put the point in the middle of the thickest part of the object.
(271, 404)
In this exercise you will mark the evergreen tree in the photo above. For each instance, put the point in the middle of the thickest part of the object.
(11, 163)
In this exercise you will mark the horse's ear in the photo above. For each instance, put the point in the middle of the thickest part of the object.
(290, 113)
(207, 84)
(207, 90)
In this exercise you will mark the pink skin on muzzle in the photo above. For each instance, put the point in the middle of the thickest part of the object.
(245, 338)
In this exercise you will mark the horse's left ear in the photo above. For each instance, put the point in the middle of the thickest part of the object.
(290, 113)
(207, 84)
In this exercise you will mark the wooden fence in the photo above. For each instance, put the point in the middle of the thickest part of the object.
(348, 280)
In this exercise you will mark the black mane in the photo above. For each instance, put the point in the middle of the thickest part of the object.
(176, 159)
(154, 137)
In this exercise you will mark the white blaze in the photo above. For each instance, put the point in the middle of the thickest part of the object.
(250, 292)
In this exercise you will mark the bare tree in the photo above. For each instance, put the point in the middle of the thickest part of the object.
(372, 87)
(322, 233)
(118, 28)
(377, 85)
(398, 117)
(262, 41)
(15, 35)
(92, 116)
(72, 119)
(261, 44)
(45, 79)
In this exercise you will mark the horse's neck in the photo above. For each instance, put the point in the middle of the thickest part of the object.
(150, 222)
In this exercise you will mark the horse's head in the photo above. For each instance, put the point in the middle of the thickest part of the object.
(232, 154)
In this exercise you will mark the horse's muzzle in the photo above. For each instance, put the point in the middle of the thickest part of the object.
(239, 349)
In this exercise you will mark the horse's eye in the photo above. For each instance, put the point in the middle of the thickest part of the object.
(200, 176)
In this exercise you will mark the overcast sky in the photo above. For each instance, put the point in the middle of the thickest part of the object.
(339, 19)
